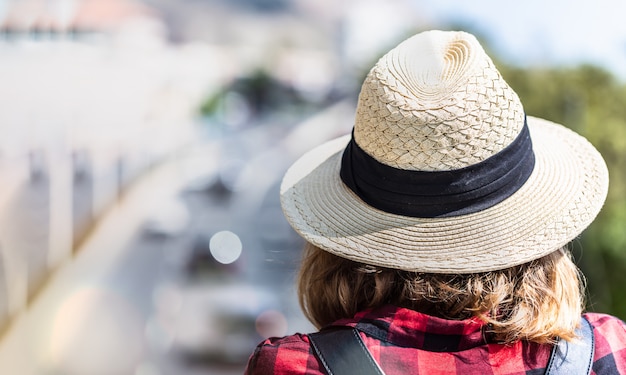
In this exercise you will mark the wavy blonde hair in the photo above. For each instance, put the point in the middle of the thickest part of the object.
(536, 301)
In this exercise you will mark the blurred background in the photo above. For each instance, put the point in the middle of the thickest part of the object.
(142, 145)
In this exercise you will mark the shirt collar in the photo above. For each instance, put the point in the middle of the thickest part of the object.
(409, 328)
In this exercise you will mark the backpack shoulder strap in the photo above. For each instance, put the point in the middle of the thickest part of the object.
(573, 357)
(341, 351)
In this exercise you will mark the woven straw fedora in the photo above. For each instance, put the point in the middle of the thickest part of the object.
(444, 172)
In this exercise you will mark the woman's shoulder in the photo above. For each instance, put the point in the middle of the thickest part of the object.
(608, 329)
(295, 341)
(283, 355)
(605, 322)
(610, 343)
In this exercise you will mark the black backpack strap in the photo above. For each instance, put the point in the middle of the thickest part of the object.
(573, 357)
(341, 351)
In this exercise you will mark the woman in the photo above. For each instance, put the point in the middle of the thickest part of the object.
(438, 230)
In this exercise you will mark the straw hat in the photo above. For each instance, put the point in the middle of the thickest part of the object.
(444, 172)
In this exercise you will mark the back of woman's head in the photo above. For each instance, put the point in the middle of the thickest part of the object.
(536, 301)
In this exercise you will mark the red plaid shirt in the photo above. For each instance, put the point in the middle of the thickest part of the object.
(407, 342)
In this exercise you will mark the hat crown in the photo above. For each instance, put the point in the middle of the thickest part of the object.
(436, 102)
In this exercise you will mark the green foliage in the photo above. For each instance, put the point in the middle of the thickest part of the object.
(591, 101)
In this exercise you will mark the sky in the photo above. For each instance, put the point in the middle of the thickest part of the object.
(539, 32)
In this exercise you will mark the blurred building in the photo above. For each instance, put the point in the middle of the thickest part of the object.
(84, 83)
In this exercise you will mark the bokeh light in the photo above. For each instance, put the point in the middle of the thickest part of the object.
(225, 246)
(271, 323)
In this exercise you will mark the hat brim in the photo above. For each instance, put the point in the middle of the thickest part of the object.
(563, 195)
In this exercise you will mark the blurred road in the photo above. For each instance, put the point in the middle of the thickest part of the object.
(126, 302)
